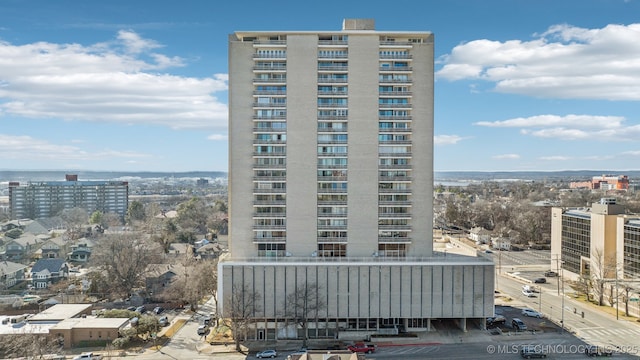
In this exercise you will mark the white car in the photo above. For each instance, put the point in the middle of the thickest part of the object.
(528, 293)
(531, 313)
(266, 354)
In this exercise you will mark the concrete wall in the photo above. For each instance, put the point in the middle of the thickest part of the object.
(445, 289)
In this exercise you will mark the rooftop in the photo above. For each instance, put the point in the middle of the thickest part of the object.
(60, 312)
(91, 322)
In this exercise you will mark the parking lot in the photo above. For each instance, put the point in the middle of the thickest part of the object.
(533, 324)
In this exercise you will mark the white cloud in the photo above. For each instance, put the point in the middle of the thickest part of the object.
(555, 158)
(582, 121)
(217, 137)
(563, 62)
(571, 127)
(446, 139)
(29, 148)
(507, 157)
(107, 82)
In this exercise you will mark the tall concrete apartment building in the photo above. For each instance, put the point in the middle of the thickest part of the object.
(331, 185)
(44, 199)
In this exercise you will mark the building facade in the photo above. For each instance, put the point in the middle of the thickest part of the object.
(597, 241)
(331, 181)
(46, 199)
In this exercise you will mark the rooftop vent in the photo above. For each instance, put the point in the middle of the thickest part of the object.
(358, 24)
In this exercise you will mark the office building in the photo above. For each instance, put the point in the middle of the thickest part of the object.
(596, 241)
(331, 183)
(44, 199)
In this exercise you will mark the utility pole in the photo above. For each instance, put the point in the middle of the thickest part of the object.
(558, 270)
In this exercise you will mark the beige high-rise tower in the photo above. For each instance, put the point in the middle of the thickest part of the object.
(331, 174)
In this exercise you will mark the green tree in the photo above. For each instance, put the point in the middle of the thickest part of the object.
(135, 212)
(96, 217)
(193, 215)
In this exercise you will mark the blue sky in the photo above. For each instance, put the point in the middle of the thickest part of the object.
(142, 85)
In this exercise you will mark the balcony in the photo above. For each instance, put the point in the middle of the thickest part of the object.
(333, 56)
(280, 215)
(270, 105)
(272, 80)
(395, 56)
(394, 191)
(268, 142)
(268, 191)
(269, 117)
(275, 68)
(270, 56)
(398, 155)
(331, 93)
(332, 240)
(269, 42)
(270, 92)
(270, 202)
(332, 202)
(332, 178)
(395, 68)
(332, 117)
(270, 130)
(394, 106)
(331, 215)
(394, 227)
(269, 166)
(269, 227)
(270, 178)
(393, 142)
(332, 42)
(259, 240)
(395, 81)
(395, 202)
(394, 93)
(388, 43)
(341, 68)
(332, 227)
(325, 80)
(394, 215)
(394, 240)
(332, 130)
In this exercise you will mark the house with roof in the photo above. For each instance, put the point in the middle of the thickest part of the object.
(20, 248)
(160, 276)
(81, 250)
(48, 271)
(480, 235)
(208, 251)
(51, 248)
(11, 273)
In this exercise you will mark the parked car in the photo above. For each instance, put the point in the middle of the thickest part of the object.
(267, 354)
(495, 320)
(141, 310)
(361, 347)
(163, 321)
(203, 330)
(206, 320)
(531, 313)
(550, 273)
(540, 280)
(594, 350)
(88, 356)
(529, 352)
(518, 324)
(158, 309)
(131, 308)
(528, 293)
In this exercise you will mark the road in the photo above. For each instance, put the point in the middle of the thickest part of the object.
(594, 327)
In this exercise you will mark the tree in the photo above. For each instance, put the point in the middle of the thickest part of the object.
(303, 305)
(198, 280)
(29, 345)
(602, 269)
(75, 219)
(125, 259)
(96, 218)
(193, 215)
(135, 212)
(241, 306)
(626, 295)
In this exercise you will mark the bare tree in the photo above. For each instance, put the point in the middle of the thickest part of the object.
(198, 280)
(75, 219)
(602, 268)
(125, 258)
(240, 307)
(626, 295)
(303, 305)
(28, 345)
